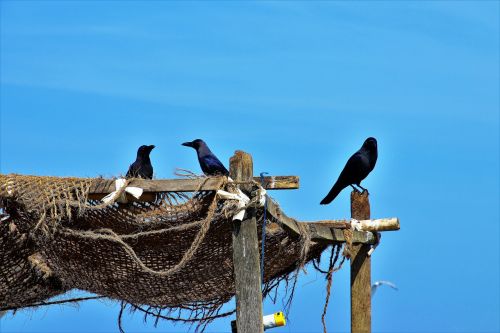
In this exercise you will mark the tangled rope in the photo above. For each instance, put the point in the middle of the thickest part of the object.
(147, 254)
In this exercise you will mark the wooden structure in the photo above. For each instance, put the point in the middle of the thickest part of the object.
(246, 255)
(361, 306)
(246, 243)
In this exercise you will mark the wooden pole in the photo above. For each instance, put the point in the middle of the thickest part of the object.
(360, 270)
(246, 255)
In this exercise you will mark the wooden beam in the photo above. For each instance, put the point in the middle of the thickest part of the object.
(246, 255)
(322, 231)
(390, 224)
(360, 270)
(102, 187)
(279, 182)
(106, 186)
(386, 224)
(319, 231)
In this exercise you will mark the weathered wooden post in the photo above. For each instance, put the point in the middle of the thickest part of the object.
(246, 255)
(361, 306)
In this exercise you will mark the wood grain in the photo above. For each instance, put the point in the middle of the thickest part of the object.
(360, 270)
(106, 186)
(246, 255)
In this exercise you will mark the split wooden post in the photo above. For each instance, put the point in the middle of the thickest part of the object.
(246, 255)
(360, 270)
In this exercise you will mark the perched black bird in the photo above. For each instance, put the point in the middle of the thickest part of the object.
(356, 169)
(142, 167)
(209, 163)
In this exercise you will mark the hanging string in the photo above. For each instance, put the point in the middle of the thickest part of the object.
(263, 232)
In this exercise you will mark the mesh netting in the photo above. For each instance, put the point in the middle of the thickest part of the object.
(174, 252)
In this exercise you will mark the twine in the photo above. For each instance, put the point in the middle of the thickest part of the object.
(126, 235)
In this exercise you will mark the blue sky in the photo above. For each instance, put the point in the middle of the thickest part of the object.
(299, 85)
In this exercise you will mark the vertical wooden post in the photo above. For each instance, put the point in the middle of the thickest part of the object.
(361, 306)
(246, 255)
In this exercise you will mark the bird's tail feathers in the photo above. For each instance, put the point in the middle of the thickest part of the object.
(332, 194)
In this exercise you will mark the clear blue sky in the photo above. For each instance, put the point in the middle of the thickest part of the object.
(299, 85)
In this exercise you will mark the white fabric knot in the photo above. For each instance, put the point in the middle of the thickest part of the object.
(355, 225)
(243, 200)
(136, 192)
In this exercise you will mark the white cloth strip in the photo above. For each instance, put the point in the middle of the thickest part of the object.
(242, 199)
(136, 192)
(355, 225)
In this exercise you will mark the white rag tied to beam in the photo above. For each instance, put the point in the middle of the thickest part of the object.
(136, 192)
(242, 199)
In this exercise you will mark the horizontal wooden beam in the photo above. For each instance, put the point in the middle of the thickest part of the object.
(389, 224)
(319, 231)
(106, 186)
(386, 224)
(279, 182)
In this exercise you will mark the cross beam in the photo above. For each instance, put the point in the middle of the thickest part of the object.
(101, 187)
(321, 231)
(330, 231)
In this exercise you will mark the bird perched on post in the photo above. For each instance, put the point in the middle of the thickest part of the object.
(142, 167)
(356, 169)
(209, 163)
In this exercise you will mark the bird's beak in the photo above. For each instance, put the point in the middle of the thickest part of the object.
(151, 147)
(188, 144)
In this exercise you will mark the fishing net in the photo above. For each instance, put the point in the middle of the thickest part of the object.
(173, 252)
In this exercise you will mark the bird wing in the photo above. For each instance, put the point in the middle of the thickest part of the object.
(213, 165)
(387, 283)
(377, 284)
(355, 170)
(132, 171)
(348, 176)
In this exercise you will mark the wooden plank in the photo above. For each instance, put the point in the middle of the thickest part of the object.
(102, 187)
(106, 186)
(385, 224)
(246, 255)
(275, 211)
(339, 224)
(279, 182)
(319, 231)
(360, 270)
(389, 224)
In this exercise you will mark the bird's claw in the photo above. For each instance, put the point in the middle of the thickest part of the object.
(355, 189)
(364, 190)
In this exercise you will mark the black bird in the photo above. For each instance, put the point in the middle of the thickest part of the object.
(142, 167)
(209, 163)
(356, 169)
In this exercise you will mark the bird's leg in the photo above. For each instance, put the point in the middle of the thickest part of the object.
(355, 189)
(364, 189)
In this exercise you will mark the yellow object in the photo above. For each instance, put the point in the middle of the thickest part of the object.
(274, 320)
(279, 318)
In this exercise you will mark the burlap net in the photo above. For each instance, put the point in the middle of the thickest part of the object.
(169, 254)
